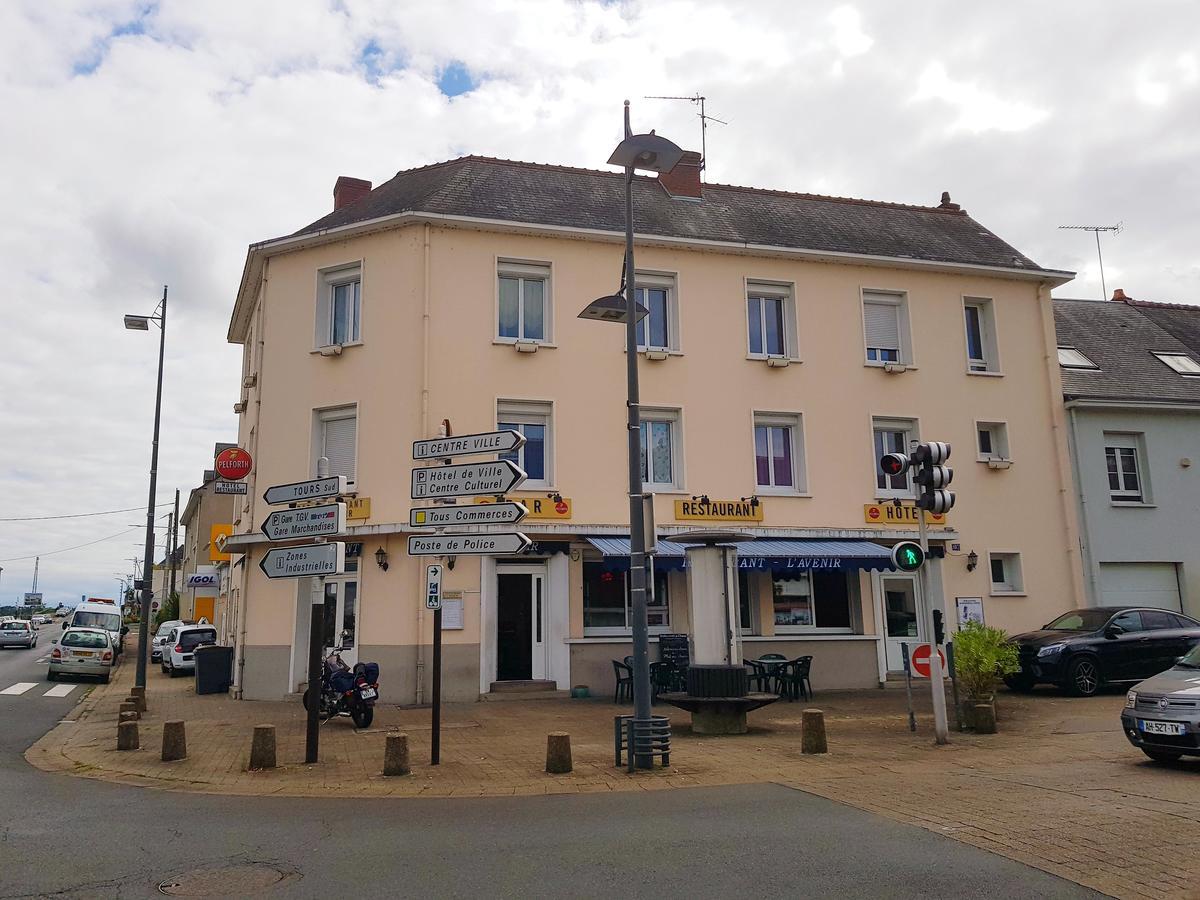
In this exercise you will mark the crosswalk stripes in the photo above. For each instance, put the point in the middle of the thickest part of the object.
(24, 687)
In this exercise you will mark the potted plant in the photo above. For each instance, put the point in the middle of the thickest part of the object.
(982, 655)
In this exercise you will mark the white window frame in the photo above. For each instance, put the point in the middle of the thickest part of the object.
(525, 270)
(1072, 358)
(1123, 440)
(816, 627)
(986, 309)
(329, 278)
(661, 281)
(912, 430)
(794, 421)
(673, 416)
(898, 299)
(627, 629)
(320, 418)
(1014, 583)
(531, 412)
(785, 293)
(999, 433)
(1181, 363)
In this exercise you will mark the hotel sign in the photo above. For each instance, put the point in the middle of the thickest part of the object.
(904, 516)
(718, 511)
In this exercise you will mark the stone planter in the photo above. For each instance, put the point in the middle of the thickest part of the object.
(983, 720)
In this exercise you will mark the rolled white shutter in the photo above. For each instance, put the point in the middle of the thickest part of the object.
(883, 324)
(340, 435)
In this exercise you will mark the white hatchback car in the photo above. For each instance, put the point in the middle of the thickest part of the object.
(83, 651)
(178, 653)
(162, 636)
(18, 633)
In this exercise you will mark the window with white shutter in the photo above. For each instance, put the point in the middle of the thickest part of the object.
(884, 325)
(336, 436)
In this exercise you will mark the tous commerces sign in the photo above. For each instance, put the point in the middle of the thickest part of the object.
(233, 463)
(704, 509)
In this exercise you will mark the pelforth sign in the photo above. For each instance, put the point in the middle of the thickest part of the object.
(467, 480)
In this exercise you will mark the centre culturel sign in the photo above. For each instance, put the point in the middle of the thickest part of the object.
(706, 510)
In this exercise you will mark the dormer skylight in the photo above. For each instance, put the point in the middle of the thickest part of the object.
(1070, 358)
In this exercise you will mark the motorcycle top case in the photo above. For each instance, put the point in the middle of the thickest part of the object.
(369, 671)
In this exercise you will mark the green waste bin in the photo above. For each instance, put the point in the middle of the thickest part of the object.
(214, 669)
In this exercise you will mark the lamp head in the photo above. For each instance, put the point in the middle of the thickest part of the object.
(612, 309)
(648, 152)
(137, 323)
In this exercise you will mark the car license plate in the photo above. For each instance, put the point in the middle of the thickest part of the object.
(1160, 727)
(368, 693)
(82, 653)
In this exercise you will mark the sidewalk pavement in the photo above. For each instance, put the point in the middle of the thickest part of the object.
(1058, 788)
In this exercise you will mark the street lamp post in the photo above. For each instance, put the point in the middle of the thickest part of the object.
(142, 323)
(648, 152)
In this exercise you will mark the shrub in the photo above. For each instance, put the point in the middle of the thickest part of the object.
(982, 654)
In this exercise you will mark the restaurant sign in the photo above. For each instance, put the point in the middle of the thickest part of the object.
(706, 510)
(902, 516)
(358, 508)
(539, 507)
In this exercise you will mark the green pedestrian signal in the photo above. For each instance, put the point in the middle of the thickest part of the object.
(908, 556)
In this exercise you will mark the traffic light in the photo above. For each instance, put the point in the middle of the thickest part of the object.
(907, 556)
(933, 476)
(894, 465)
(939, 628)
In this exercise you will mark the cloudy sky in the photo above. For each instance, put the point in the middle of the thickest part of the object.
(148, 143)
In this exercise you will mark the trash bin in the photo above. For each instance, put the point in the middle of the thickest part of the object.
(214, 669)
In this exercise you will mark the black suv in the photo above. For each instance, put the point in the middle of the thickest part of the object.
(1085, 648)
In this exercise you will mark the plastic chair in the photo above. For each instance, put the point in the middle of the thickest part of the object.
(793, 679)
(624, 687)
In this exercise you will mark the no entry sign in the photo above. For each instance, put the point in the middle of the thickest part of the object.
(920, 659)
(233, 463)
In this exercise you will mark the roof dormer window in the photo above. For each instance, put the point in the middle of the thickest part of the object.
(1181, 363)
(1070, 358)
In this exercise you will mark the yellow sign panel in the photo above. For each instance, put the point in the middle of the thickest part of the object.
(539, 507)
(358, 508)
(903, 516)
(719, 510)
(214, 542)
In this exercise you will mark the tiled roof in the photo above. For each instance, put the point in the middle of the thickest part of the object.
(1180, 320)
(535, 194)
(1120, 338)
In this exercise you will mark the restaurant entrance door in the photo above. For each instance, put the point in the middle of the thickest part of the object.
(520, 623)
(904, 616)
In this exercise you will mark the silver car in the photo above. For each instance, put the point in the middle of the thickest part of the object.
(83, 651)
(1162, 714)
(18, 633)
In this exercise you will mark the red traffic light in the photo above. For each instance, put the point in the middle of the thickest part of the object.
(893, 464)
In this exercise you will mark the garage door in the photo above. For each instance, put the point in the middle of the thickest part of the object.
(1139, 584)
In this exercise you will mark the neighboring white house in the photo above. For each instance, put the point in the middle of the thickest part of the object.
(1132, 392)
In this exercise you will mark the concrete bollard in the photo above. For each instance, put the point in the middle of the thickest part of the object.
(127, 716)
(127, 736)
(812, 734)
(128, 706)
(262, 747)
(138, 696)
(174, 741)
(983, 718)
(558, 753)
(395, 755)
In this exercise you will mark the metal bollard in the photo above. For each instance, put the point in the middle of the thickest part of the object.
(558, 753)
(812, 734)
(262, 747)
(127, 736)
(174, 741)
(395, 755)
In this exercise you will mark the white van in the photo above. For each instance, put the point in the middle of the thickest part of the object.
(99, 615)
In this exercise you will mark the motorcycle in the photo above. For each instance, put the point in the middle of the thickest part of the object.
(347, 691)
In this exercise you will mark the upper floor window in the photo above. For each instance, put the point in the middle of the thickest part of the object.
(770, 320)
(885, 328)
(979, 319)
(991, 441)
(660, 449)
(1006, 573)
(524, 302)
(335, 436)
(778, 453)
(1070, 358)
(1121, 453)
(892, 436)
(1180, 362)
(339, 306)
(660, 329)
(533, 420)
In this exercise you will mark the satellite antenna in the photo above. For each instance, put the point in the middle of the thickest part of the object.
(704, 120)
(1096, 229)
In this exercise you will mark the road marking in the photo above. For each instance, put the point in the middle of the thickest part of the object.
(60, 690)
(44, 659)
(19, 688)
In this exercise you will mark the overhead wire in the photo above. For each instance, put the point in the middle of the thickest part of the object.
(107, 512)
(67, 549)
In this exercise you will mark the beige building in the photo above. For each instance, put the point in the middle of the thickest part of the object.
(791, 340)
(206, 513)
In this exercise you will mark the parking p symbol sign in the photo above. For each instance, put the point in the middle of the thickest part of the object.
(433, 587)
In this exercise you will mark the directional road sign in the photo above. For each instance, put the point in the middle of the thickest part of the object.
(507, 513)
(306, 490)
(499, 544)
(468, 444)
(305, 561)
(466, 480)
(324, 520)
(433, 587)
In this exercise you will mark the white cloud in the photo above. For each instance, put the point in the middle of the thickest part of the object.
(978, 109)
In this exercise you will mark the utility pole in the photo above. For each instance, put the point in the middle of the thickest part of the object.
(173, 543)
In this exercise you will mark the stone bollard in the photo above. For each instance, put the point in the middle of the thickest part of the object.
(174, 743)
(558, 753)
(812, 734)
(983, 718)
(128, 706)
(127, 716)
(262, 747)
(127, 736)
(395, 755)
(138, 696)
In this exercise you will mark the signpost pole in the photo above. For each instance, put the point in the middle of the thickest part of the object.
(936, 676)
(912, 717)
(316, 623)
(435, 742)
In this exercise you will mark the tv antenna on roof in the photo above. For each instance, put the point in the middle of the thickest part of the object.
(1096, 229)
(705, 118)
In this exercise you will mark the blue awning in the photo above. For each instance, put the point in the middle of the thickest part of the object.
(764, 554)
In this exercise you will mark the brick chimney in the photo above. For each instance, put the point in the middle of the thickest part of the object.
(347, 190)
(1119, 296)
(684, 179)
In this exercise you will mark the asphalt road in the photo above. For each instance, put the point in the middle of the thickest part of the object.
(77, 838)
